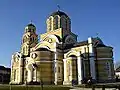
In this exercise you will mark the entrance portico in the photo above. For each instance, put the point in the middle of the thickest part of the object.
(72, 69)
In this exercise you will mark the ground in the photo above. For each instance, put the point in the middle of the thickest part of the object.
(100, 86)
(33, 87)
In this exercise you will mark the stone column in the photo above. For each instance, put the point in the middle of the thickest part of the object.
(79, 69)
(12, 74)
(38, 71)
(38, 76)
(20, 69)
(70, 70)
(29, 79)
(35, 74)
(55, 68)
(65, 71)
(91, 58)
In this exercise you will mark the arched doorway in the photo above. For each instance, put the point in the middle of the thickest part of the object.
(74, 68)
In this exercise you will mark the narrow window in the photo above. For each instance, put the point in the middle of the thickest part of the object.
(63, 22)
(59, 69)
(50, 24)
(55, 22)
(23, 50)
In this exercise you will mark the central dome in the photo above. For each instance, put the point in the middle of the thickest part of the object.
(60, 13)
(29, 25)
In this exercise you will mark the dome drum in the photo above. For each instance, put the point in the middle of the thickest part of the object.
(58, 20)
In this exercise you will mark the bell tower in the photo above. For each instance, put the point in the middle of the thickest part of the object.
(59, 25)
(58, 20)
(29, 39)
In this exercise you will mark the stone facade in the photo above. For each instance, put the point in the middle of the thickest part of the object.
(58, 58)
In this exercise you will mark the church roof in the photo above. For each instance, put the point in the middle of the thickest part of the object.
(60, 13)
(97, 42)
(118, 69)
(81, 43)
(31, 25)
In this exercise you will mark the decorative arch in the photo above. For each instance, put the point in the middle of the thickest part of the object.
(71, 53)
(17, 53)
(43, 44)
(15, 56)
(72, 56)
(46, 47)
(53, 37)
(69, 39)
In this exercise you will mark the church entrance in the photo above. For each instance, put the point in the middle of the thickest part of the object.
(72, 69)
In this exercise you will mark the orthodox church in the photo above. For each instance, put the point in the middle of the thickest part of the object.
(58, 58)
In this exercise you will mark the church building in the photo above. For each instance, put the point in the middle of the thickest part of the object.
(58, 58)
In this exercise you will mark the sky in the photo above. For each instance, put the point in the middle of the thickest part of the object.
(88, 17)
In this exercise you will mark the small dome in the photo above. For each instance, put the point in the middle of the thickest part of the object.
(30, 28)
(60, 13)
(31, 25)
(100, 41)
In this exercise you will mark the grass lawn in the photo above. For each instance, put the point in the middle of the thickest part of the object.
(15, 87)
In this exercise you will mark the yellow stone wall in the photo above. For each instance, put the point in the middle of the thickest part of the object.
(44, 60)
(55, 32)
(104, 58)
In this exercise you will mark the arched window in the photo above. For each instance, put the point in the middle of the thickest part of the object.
(33, 30)
(24, 39)
(108, 69)
(63, 22)
(26, 49)
(59, 70)
(23, 50)
(28, 30)
(68, 23)
(31, 39)
(50, 24)
(55, 22)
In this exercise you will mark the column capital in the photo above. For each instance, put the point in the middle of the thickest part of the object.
(64, 60)
(78, 54)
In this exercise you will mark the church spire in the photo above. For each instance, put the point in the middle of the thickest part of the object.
(58, 7)
(31, 22)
